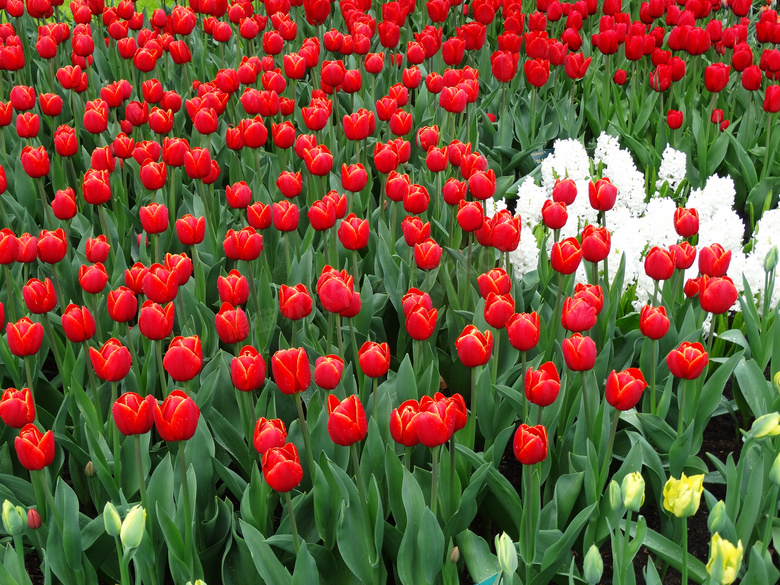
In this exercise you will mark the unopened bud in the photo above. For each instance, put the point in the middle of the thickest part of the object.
(112, 520)
(777, 381)
(507, 554)
(89, 469)
(717, 521)
(593, 566)
(454, 554)
(197, 582)
(615, 496)
(764, 426)
(13, 518)
(33, 519)
(774, 472)
(770, 261)
(133, 527)
(633, 490)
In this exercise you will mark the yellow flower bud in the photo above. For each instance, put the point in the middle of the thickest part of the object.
(774, 472)
(633, 488)
(111, 520)
(133, 527)
(777, 381)
(682, 496)
(507, 554)
(718, 518)
(767, 425)
(725, 560)
(593, 566)
(615, 496)
(14, 518)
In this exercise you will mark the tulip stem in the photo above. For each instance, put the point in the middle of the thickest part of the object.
(40, 475)
(52, 341)
(474, 393)
(355, 268)
(115, 433)
(610, 446)
(47, 212)
(19, 547)
(124, 574)
(375, 397)
(626, 544)
(770, 517)
(141, 479)
(305, 433)
(467, 284)
(327, 334)
(497, 339)
(653, 365)
(765, 169)
(246, 418)
(355, 354)
(160, 367)
(408, 458)
(287, 254)
(30, 380)
(685, 551)
(340, 339)
(453, 491)
(10, 297)
(435, 453)
(134, 358)
(588, 415)
(293, 526)
(92, 382)
(525, 396)
(185, 490)
(556, 315)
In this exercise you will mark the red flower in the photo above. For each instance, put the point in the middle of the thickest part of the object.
(542, 385)
(653, 322)
(96, 187)
(427, 254)
(718, 294)
(578, 315)
(51, 246)
(659, 264)
(537, 71)
(97, 249)
(269, 434)
(596, 243)
(177, 418)
(523, 330)
(498, 309)
(291, 370)
(231, 323)
(530, 444)
(687, 361)
(674, 119)
(716, 76)
(496, 280)
(624, 389)
(327, 371)
(122, 304)
(353, 232)
(554, 214)
(93, 279)
(335, 290)
(684, 255)
(247, 370)
(602, 195)
(184, 358)
(374, 359)
(579, 352)
(285, 216)
(233, 288)
(245, 244)
(282, 468)
(191, 230)
(294, 301)
(78, 324)
(353, 177)
(160, 284)
(153, 177)
(402, 423)
(473, 347)
(17, 407)
(566, 256)
(420, 322)
(112, 362)
(686, 222)
(714, 260)
(35, 161)
(347, 422)
(565, 190)
(156, 321)
(133, 414)
(435, 422)
(34, 449)
(39, 296)
(24, 337)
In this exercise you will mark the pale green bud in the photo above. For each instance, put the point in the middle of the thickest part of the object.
(197, 582)
(615, 496)
(112, 520)
(14, 518)
(718, 518)
(777, 381)
(774, 472)
(770, 261)
(507, 554)
(593, 566)
(454, 554)
(725, 560)
(764, 426)
(633, 489)
(133, 527)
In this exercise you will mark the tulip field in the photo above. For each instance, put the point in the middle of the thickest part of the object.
(389, 291)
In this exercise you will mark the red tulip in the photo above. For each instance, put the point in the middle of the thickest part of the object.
(653, 322)
(659, 264)
(35, 161)
(231, 323)
(78, 324)
(335, 290)
(191, 230)
(687, 361)
(624, 389)
(718, 294)
(435, 422)
(233, 288)
(498, 309)
(602, 195)
(420, 322)
(93, 279)
(282, 468)
(177, 418)
(285, 216)
(579, 352)
(122, 304)
(17, 407)
(97, 249)
(402, 423)
(327, 371)
(34, 449)
(291, 370)
(39, 296)
(248, 369)
(269, 434)
(427, 254)
(542, 385)
(184, 358)
(473, 347)
(294, 301)
(554, 214)
(596, 243)
(523, 330)
(714, 260)
(686, 222)
(496, 280)
(134, 414)
(565, 191)
(566, 256)
(684, 255)
(530, 444)
(374, 359)
(245, 244)
(347, 423)
(155, 321)
(24, 337)
(578, 315)
(112, 361)
(353, 232)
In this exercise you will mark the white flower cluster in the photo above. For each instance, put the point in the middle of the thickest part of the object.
(636, 225)
(672, 169)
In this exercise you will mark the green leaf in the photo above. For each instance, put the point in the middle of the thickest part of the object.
(671, 553)
(270, 568)
(557, 553)
(305, 572)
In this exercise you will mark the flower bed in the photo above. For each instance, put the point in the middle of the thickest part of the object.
(360, 293)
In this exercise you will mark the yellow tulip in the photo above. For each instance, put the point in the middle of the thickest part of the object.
(682, 496)
(725, 560)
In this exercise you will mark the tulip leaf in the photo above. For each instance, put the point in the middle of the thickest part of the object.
(267, 564)
(556, 555)
(756, 389)
(305, 572)
(671, 553)
(751, 508)
(480, 562)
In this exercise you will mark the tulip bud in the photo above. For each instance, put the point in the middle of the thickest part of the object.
(454, 555)
(112, 520)
(89, 469)
(593, 566)
(774, 472)
(770, 262)
(133, 527)
(777, 381)
(725, 560)
(718, 518)
(615, 496)
(33, 519)
(13, 518)
(764, 426)
(197, 582)
(633, 490)
(507, 554)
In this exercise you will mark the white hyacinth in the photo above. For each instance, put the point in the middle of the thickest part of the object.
(672, 169)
